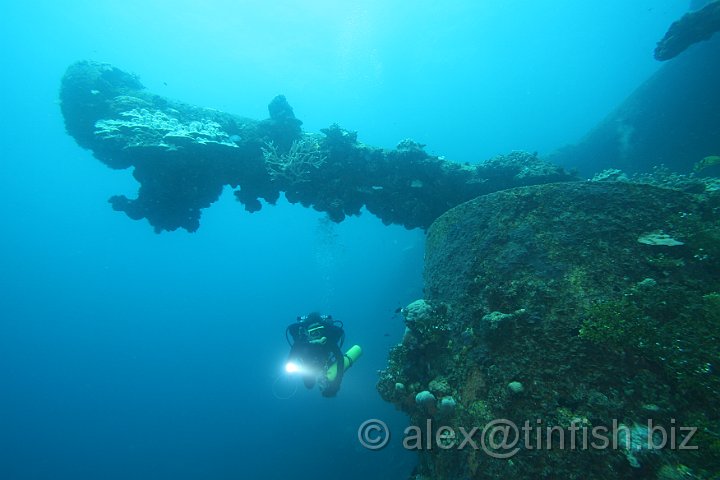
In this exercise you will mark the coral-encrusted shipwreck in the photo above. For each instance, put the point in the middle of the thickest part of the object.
(560, 307)
(184, 155)
(546, 305)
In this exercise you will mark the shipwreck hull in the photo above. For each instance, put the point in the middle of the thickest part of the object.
(671, 119)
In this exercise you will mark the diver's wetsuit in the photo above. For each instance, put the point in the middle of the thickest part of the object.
(316, 343)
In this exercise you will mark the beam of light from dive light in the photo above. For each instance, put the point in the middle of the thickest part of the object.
(292, 367)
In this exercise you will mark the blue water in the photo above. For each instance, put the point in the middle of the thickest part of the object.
(126, 354)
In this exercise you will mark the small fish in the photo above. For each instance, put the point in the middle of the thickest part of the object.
(709, 161)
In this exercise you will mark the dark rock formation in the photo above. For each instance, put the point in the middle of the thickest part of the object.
(692, 28)
(574, 306)
(183, 156)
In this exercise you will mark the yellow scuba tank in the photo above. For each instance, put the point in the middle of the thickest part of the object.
(349, 359)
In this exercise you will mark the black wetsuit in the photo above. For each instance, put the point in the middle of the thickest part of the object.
(316, 343)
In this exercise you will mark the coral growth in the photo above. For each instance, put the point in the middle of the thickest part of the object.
(541, 305)
(297, 164)
(184, 155)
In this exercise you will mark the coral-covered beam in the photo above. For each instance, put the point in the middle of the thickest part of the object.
(183, 156)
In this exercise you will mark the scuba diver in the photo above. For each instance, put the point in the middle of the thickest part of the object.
(315, 352)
